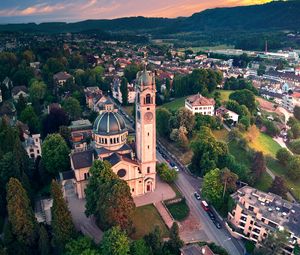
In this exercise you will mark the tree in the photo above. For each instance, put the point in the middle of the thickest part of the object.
(175, 243)
(139, 247)
(130, 72)
(182, 140)
(37, 90)
(261, 70)
(186, 119)
(20, 213)
(82, 245)
(55, 154)
(154, 241)
(295, 146)
(244, 97)
(124, 91)
(279, 186)
(297, 112)
(295, 128)
(293, 168)
(292, 121)
(56, 118)
(72, 107)
(212, 188)
(258, 165)
(29, 117)
(162, 121)
(109, 198)
(165, 173)
(44, 244)
(115, 241)
(271, 129)
(283, 156)
(229, 180)
(62, 225)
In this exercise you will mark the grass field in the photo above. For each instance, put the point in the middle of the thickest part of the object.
(225, 94)
(175, 104)
(221, 135)
(179, 210)
(145, 219)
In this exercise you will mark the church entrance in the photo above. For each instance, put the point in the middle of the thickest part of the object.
(148, 185)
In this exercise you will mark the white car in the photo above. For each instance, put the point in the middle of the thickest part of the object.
(176, 168)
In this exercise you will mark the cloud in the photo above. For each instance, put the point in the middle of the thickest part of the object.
(72, 10)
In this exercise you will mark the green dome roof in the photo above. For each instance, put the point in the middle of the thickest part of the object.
(109, 123)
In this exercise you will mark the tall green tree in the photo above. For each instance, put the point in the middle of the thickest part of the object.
(37, 90)
(139, 247)
(162, 122)
(293, 168)
(175, 243)
(212, 188)
(55, 154)
(124, 91)
(283, 156)
(62, 225)
(20, 213)
(165, 173)
(244, 97)
(258, 165)
(44, 243)
(154, 241)
(29, 117)
(115, 241)
(82, 245)
(279, 186)
(130, 72)
(297, 112)
(109, 198)
(72, 107)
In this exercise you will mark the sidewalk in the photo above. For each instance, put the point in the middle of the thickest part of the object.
(164, 214)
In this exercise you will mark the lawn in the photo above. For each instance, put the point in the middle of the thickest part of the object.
(261, 142)
(225, 94)
(179, 210)
(239, 154)
(175, 104)
(145, 219)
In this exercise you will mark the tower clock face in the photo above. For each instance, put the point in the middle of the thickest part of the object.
(148, 116)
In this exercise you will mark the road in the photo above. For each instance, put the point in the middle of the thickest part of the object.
(188, 185)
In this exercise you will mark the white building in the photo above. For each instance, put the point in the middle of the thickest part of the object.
(224, 113)
(117, 94)
(200, 104)
(32, 145)
(288, 103)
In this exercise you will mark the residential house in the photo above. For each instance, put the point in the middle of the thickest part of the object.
(225, 114)
(18, 91)
(32, 145)
(61, 78)
(200, 104)
(195, 249)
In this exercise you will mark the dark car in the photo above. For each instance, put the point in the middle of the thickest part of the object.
(197, 196)
(217, 224)
(211, 215)
(172, 164)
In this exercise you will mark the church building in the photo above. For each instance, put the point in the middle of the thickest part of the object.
(133, 162)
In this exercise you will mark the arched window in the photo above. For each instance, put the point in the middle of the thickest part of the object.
(138, 98)
(148, 99)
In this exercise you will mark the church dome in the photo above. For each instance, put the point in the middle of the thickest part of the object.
(109, 123)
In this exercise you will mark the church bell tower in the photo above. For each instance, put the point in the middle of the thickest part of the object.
(146, 127)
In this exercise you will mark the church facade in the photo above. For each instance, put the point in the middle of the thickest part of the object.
(133, 162)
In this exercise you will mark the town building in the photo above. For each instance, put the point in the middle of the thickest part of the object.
(93, 96)
(226, 114)
(133, 162)
(256, 214)
(288, 102)
(200, 104)
(61, 78)
(195, 249)
(32, 145)
(117, 93)
(19, 91)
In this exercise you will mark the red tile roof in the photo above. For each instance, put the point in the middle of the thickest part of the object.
(199, 100)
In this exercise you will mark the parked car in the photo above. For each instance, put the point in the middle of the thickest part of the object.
(197, 196)
(176, 168)
(172, 164)
(204, 205)
(217, 224)
(211, 215)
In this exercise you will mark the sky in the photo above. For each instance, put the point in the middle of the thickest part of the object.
(16, 11)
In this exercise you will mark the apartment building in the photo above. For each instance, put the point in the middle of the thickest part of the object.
(258, 213)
